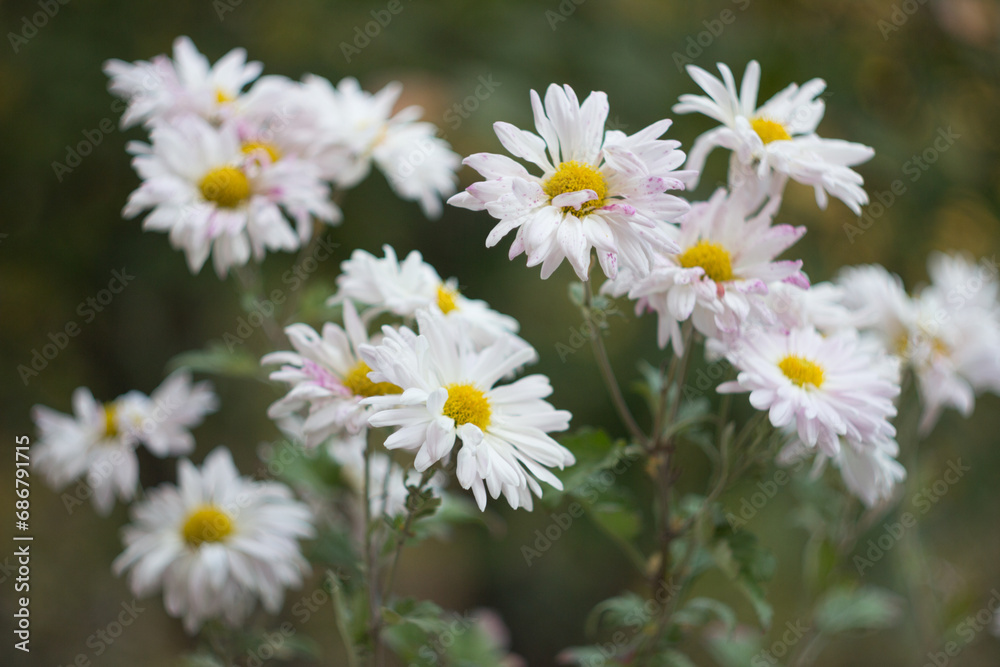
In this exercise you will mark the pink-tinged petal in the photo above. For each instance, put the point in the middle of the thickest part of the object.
(574, 199)
(523, 144)
(466, 200)
(493, 166)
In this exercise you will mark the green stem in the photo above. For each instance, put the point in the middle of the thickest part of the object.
(608, 375)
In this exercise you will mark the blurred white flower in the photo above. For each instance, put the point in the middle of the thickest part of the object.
(948, 334)
(448, 391)
(165, 89)
(215, 193)
(98, 441)
(327, 377)
(351, 129)
(826, 388)
(776, 141)
(402, 288)
(721, 274)
(215, 543)
(598, 191)
(871, 472)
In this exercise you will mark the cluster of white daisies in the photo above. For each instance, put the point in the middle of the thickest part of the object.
(215, 542)
(235, 173)
(434, 376)
(227, 173)
(823, 360)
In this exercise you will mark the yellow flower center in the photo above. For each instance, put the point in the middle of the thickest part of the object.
(208, 523)
(802, 371)
(712, 257)
(573, 177)
(226, 186)
(769, 130)
(357, 381)
(467, 404)
(252, 146)
(110, 420)
(221, 96)
(446, 298)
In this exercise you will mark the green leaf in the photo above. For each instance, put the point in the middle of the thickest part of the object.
(865, 608)
(739, 557)
(217, 359)
(699, 611)
(618, 520)
(732, 648)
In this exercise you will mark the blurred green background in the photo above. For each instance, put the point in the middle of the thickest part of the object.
(894, 87)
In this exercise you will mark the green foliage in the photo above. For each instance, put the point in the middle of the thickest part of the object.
(866, 608)
(218, 359)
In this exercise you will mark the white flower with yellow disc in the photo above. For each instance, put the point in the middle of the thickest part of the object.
(602, 192)
(215, 543)
(448, 392)
(775, 141)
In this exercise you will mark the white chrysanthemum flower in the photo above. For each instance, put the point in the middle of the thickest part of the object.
(352, 129)
(98, 441)
(722, 273)
(215, 543)
(598, 191)
(402, 288)
(448, 391)
(827, 388)
(871, 472)
(162, 89)
(214, 193)
(949, 334)
(775, 141)
(327, 377)
(821, 306)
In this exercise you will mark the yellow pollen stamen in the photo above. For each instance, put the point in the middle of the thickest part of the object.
(712, 257)
(110, 420)
(446, 297)
(208, 523)
(272, 152)
(573, 177)
(221, 96)
(467, 404)
(226, 186)
(802, 371)
(360, 385)
(769, 130)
